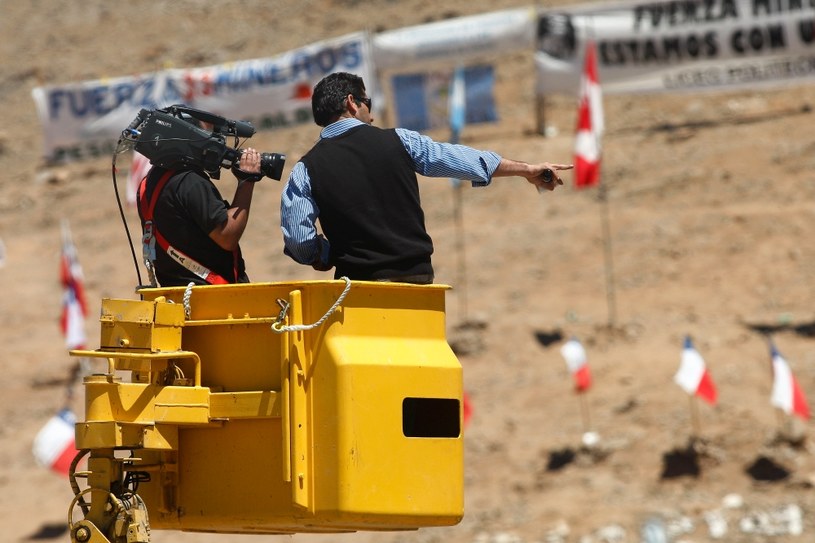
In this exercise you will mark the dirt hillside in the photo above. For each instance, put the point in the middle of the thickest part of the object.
(710, 201)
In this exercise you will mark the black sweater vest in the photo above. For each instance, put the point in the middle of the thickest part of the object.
(369, 208)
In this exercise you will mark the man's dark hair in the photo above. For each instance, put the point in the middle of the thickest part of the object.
(328, 100)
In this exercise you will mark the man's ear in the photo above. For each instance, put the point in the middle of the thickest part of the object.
(351, 105)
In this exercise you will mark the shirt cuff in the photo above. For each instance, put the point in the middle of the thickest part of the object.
(490, 162)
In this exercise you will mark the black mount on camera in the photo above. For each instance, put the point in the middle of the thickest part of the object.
(176, 136)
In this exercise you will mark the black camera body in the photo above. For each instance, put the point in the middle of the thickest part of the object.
(175, 137)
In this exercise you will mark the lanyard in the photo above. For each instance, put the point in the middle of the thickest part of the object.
(151, 236)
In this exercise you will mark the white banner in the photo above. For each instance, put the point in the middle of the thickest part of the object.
(85, 120)
(681, 45)
(455, 40)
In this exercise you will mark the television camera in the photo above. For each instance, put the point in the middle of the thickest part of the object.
(176, 136)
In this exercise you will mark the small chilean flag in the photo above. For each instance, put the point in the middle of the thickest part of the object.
(468, 409)
(139, 168)
(693, 376)
(589, 124)
(575, 356)
(787, 395)
(74, 307)
(54, 445)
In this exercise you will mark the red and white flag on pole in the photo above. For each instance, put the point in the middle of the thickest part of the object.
(138, 169)
(575, 356)
(74, 307)
(693, 376)
(54, 446)
(467, 409)
(787, 394)
(589, 124)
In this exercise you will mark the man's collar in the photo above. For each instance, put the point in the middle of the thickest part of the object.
(338, 127)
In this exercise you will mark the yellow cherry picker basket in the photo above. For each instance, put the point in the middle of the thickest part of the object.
(270, 408)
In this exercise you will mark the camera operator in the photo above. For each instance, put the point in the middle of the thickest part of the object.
(190, 232)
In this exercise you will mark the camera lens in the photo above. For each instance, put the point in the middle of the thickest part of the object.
(271, 165)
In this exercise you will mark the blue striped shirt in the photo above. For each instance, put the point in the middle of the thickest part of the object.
(299, 211)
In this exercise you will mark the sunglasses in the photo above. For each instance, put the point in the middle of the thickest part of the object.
(366, 101)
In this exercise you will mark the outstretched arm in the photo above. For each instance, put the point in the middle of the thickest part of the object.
(437, 159)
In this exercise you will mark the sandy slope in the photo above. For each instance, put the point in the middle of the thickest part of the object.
(710, 207)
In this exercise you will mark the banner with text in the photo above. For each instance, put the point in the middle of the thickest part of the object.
(85, 120)
(681, 45)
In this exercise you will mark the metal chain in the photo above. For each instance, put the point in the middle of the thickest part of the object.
(280, 328)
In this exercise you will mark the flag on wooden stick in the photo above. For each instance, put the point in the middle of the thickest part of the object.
(467, 409)
(54, 446)
(787, 394)
(74, 307)
(590, 124)
(575, 356)
(693, 376)
(577, 362)
(139, 168)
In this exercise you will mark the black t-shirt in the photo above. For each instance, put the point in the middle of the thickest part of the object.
(187, 210)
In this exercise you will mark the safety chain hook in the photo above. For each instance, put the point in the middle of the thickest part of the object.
(284, 309)
(280, 328)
